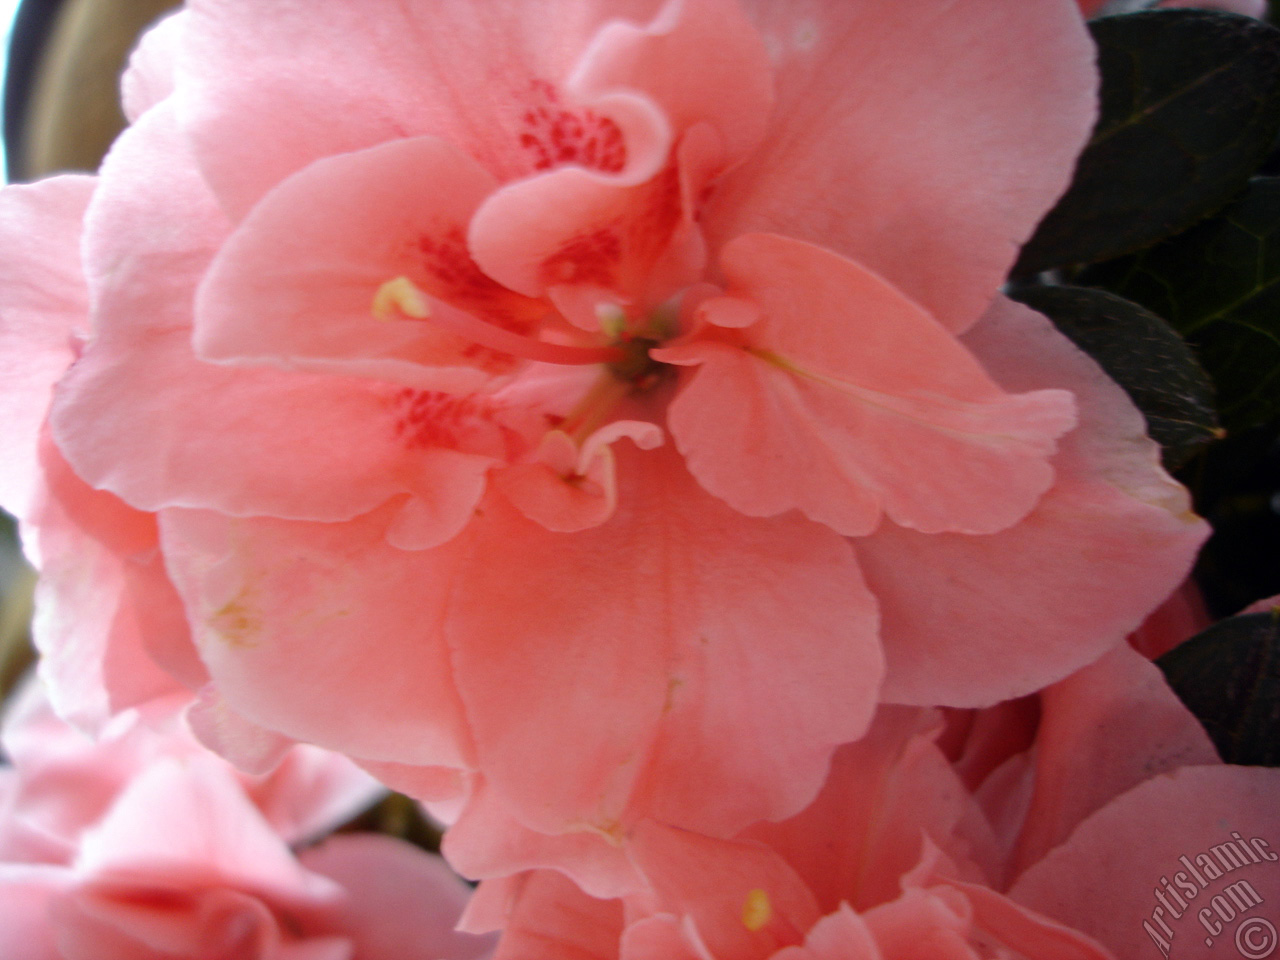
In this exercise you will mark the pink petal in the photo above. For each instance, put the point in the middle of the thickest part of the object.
(392, 71)
(148, 77)
(312, 792)
(705, 65)
(63, 781)
(661, 938)
(487, 840)
(151, 229)
(543, 913)
(172, 850)
(1004, 797)
(576, 228)
(1265, 605)
(448, 486)
(295, 285)
(159, 918)
(26, 893)
(744, 901)
(189, 820)
(990, 737)
(842, 935)
(22, 841)
(247, 746)
(1103, 730)
(282, 444)
(896, 142)
(1179, 618)
(568, 489)
(285, 613)
(733, 654)
(847, 400)
(123, 411)
(491, 902)
(401, 904)
(560, 500)
(700, 60)
(43, 309)
(935, 923)
(864, 831)
(1114, 528)
(443, 787)
(1024, 932)
(104, 605)
(1105, 879)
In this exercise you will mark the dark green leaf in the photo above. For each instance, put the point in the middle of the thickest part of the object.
(1190, 107)
(1236, 484)
(1229, 677)
(1219, 285)
(1144, 355)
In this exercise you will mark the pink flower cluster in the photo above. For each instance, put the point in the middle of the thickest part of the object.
(145, 846)
(600, 421)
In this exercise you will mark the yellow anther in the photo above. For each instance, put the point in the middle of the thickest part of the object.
(613, 319)
(400, 297)
(756, 910)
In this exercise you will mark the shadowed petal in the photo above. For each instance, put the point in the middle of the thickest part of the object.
(401, 904)
(969, 621)
(1128, 849)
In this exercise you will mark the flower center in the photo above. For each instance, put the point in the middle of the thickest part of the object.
(402, 296)
(635, 366)
(628, 367)
(635, 372)
(632, 371)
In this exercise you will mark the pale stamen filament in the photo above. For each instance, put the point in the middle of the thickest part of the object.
(401, 295)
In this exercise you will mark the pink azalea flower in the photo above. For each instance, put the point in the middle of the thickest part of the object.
(601, 418)
(143, 845)
(1053, 833)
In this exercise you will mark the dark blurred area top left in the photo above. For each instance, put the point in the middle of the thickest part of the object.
(61, 100)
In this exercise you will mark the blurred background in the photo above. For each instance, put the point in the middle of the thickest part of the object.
(61, 111)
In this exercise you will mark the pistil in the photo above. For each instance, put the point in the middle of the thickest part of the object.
(634, 372)
(589, 414)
